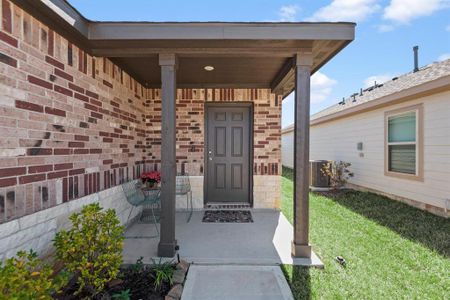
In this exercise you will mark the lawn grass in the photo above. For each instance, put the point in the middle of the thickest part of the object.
(393, 251)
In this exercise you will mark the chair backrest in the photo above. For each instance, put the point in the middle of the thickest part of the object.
(133, 193)
(183, 185)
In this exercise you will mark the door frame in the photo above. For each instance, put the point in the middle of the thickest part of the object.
(207, 105)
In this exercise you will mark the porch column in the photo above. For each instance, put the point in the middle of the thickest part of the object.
(300, 243)
(167, 243)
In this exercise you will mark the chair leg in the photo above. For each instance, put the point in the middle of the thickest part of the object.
(126, 223)
(189, 199)
(154, 221)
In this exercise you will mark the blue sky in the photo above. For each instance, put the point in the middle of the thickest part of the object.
(386, 32)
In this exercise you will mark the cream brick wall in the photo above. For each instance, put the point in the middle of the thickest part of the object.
(36, 231)
(266, 192)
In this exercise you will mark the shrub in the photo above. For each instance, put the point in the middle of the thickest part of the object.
(27, 277)
(92, 248)
(163, 273)
(338, 173)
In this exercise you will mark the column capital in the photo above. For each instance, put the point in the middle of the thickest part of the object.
(168, 59)
(304, 58)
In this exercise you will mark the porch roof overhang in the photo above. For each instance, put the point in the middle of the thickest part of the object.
(256, 55)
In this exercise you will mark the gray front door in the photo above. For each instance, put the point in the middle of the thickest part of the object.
(228, 154)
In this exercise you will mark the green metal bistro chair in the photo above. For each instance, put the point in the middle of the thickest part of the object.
(136, 197)
(183, 187)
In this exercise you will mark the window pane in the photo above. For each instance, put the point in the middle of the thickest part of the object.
(402, 128)
(402, 158)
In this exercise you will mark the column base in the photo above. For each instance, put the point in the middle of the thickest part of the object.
(301, 250)
(167, 249)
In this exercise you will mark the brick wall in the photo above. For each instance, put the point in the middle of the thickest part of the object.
(190, 127)
(72, 124)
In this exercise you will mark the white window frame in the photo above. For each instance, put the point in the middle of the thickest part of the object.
(418, 109)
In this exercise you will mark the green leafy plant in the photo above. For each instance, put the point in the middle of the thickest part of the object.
(27, 277)
(163, 272)
(92, 248)
(338, 172)
(123, 295)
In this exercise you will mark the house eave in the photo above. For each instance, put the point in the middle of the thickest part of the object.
(242, 41)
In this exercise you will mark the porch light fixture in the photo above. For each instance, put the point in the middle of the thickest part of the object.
(209, 68)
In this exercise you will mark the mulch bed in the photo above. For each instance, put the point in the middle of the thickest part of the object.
(227, 216)
(140, 282)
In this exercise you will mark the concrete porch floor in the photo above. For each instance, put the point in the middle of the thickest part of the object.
(266, 241)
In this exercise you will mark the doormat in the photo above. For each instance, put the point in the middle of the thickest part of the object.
(219, 206)
(227, 216)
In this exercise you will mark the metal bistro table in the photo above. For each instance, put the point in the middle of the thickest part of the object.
(183, 187)
(153, 205)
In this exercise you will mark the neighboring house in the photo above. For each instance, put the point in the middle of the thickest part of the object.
(86, 106)
(287, 146)
(396, 135)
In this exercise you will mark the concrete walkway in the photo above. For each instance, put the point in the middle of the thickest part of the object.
(236, 282)
(266, 241)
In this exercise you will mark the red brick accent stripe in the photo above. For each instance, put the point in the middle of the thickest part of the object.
(7, 20)
(9, 172)
(81, 97)
(40, 169)
(8, 39)
(29, 106)
(63, 74)
(76, 144)
(92, 94)
(55, 111)
(76, 88)
(51, 40)
(55, 175)
(81, 138)
(31, 178)
(76, 172)
(64, 166)
(40, 82)
(63, 90)
(54, 62)
(8, 182)
(8, 60)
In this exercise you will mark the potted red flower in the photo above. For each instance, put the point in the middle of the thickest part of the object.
(151, 179)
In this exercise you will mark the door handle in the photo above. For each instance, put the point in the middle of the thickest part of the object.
(209, 155)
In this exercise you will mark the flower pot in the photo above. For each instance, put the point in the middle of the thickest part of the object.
(151, 185)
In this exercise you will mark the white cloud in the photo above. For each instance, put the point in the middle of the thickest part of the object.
(404, 11)
(321, 87)
(444, 56)
(346, 10)
(288, 13)
(385, 28)
(381, 78)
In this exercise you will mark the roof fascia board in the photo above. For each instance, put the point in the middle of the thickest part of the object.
(432, 87)
(212, 31)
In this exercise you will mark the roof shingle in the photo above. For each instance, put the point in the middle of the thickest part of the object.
(425, 74)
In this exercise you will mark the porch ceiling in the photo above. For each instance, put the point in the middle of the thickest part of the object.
(257, 55)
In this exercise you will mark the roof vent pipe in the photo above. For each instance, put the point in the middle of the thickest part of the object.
(416, 58)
